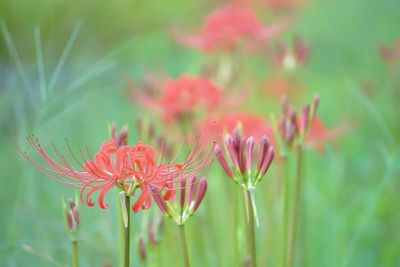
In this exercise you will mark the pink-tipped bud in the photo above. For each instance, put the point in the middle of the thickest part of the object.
(304, 118)
(192, 189)
(151, 233)
(201, 191)
(315, 105)
(301, 49)
(284, 105)
(142, 249)
(234, 155)
(249, 152)
(120, 138)
(183, 194)
(262, 152)
(160, 201)
(267, 162)
(222, 160)
(242, 156)
(72, 215)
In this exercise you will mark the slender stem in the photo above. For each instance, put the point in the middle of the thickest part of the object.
(303, 214)
(285, 213)
(296, 204)
(121, 230)
(251, 244)
(127, 233)
(75, 253)
(184, 246)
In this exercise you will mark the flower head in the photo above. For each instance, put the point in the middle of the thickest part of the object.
(249, 124)
(190, 193)
(290, 57)
(293, 128)
(132, 169)
(181, 97)
(228, 27)
(247, 165)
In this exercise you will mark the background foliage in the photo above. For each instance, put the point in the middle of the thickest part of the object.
(92, 49)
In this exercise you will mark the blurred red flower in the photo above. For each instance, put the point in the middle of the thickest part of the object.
(318, 134)
(228, 27)
(249, 124)
(277, 86)
(390, 53)
(181, 97)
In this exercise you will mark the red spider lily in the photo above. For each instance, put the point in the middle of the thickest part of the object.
(226, 28)
(247, 165)
(390, 53)
(180, 97)
(291, 57)
(129, 168)
(191, 193)
(250, 125)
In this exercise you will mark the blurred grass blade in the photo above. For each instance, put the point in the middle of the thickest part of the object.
(376, 116)
(117, 50)
(64, 56)
(93, 72)
(14, 54)
(40, 64)
(371, 205)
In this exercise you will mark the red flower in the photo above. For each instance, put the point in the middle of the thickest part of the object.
(180, 97)
(277, 86)
(318, 134)
(129, 168)
(249, 124)
(228, 27)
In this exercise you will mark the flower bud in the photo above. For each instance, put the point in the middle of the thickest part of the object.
(142, 249)
(71, 215)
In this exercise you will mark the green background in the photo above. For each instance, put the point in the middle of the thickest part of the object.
(351, 192)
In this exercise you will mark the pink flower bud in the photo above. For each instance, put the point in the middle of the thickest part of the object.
(201, 191)
(222, 160)
(142, 249)
(249, 152)
(267, 162)
(72, 216)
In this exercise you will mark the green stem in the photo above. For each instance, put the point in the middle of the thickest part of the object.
(75, 253)
(127, 233)
(251, 244)
(285, 213)
(184, 246)
(296, 204)
(120, 232)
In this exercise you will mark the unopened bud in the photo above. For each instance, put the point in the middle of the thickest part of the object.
(71, 215)
(142, 249)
